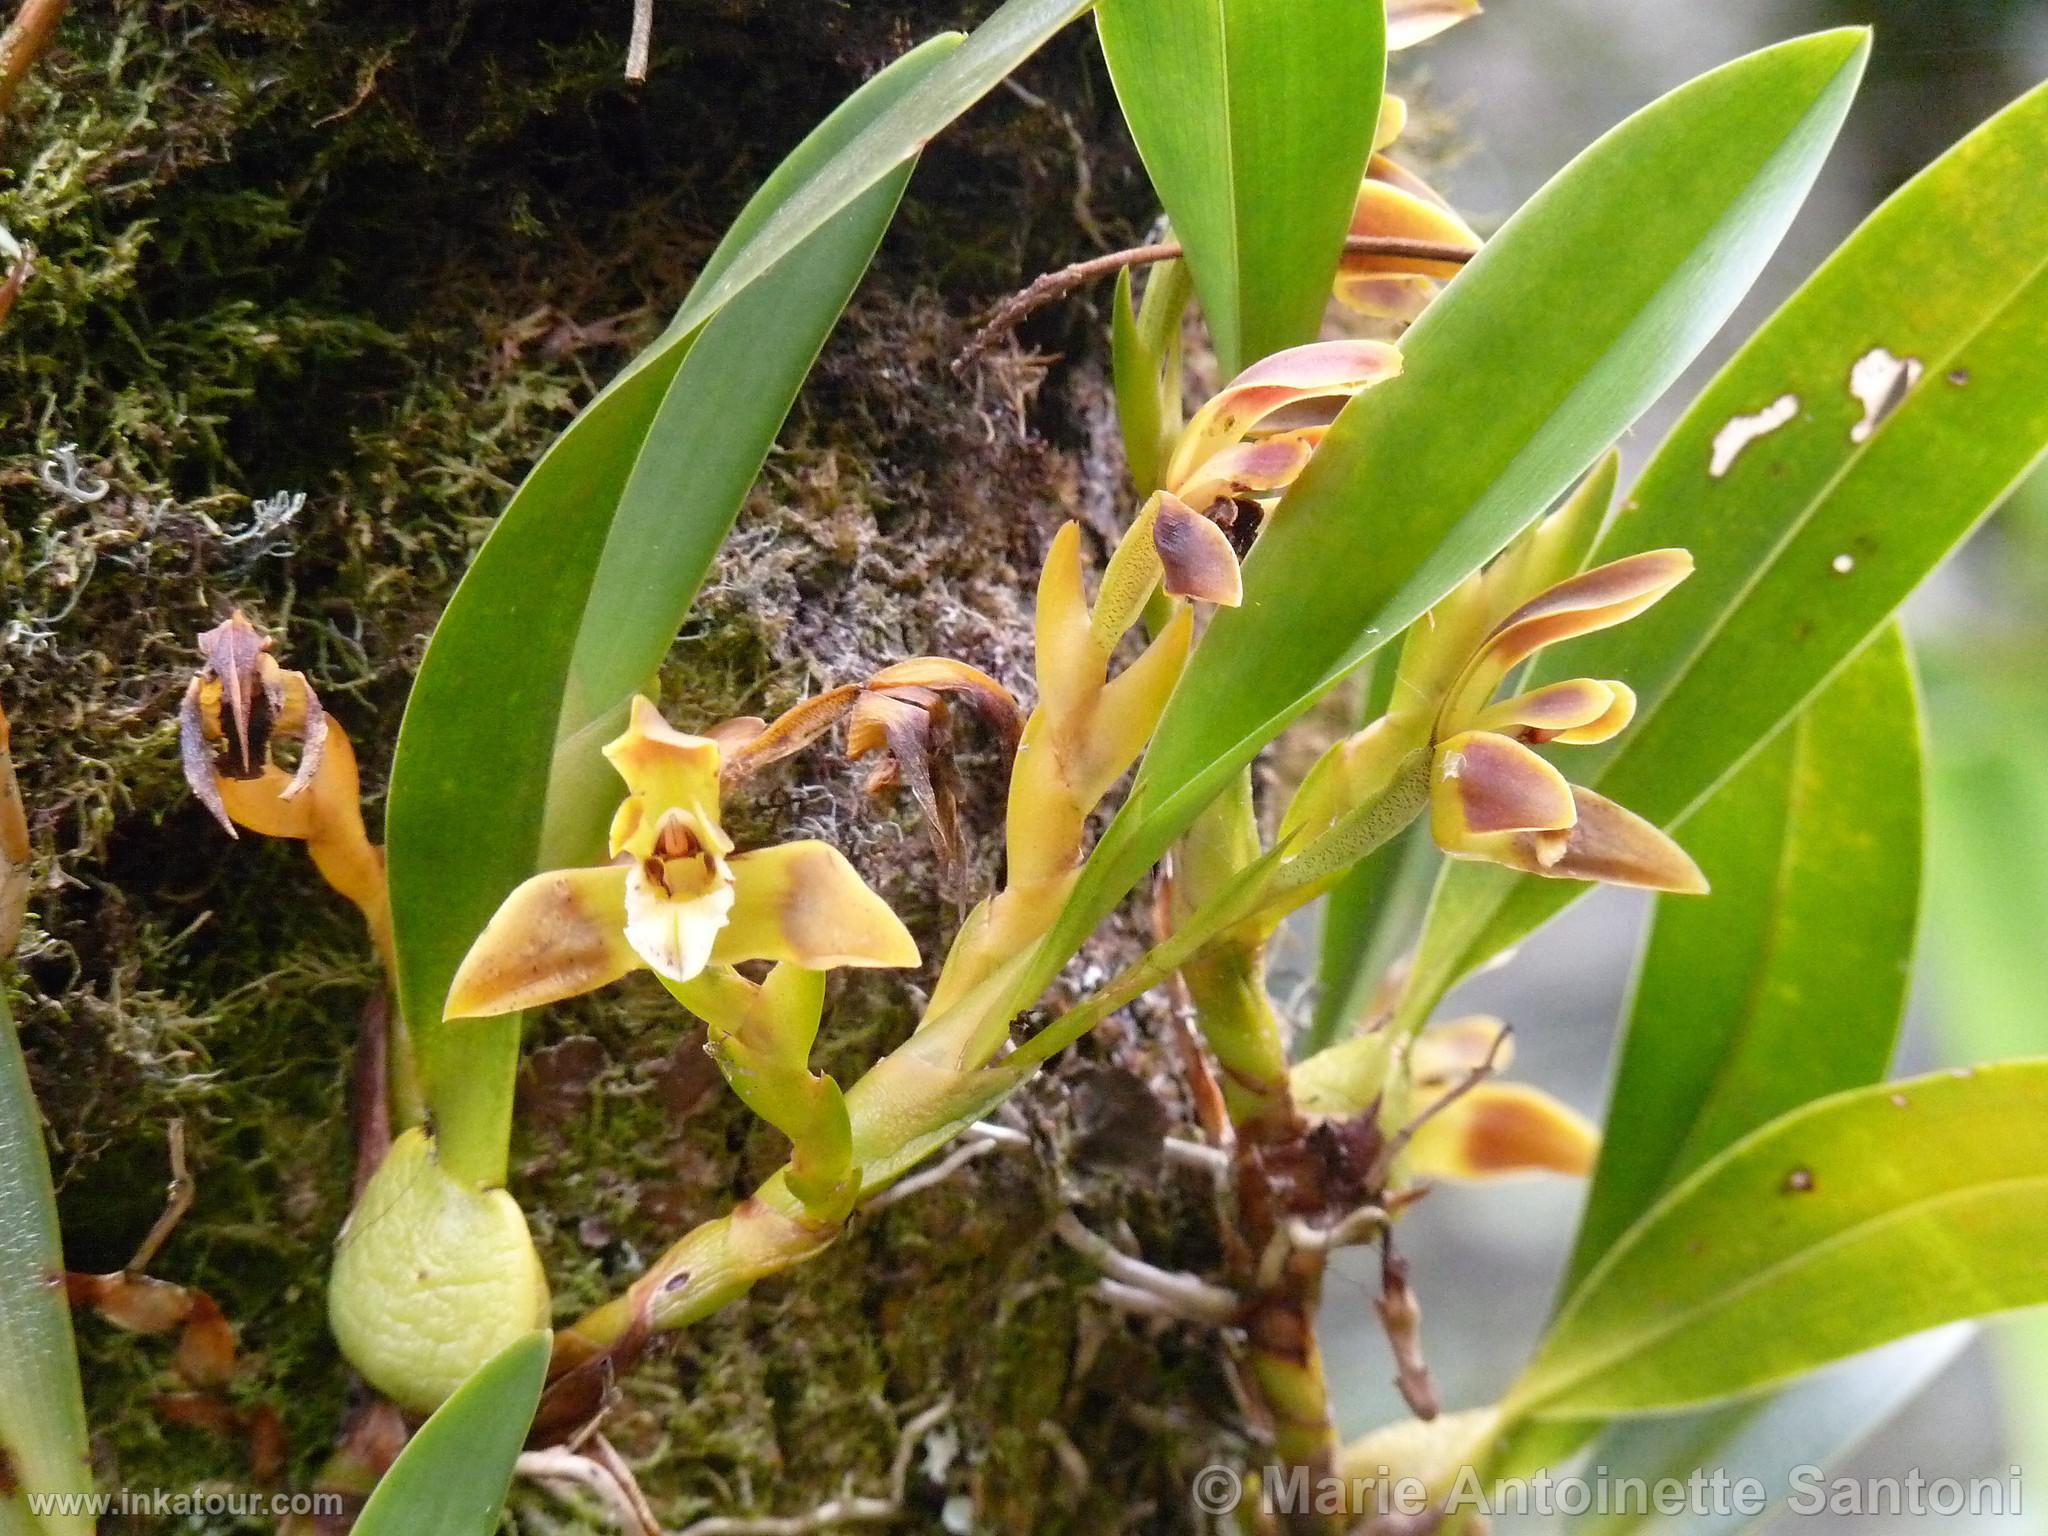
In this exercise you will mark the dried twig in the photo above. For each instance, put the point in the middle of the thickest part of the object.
(1398, 1142)
(1057, 285)
(1400, 1315)
(25, 38)
(177, 1201)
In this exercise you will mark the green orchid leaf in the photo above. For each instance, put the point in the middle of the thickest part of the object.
(1577, 315)
(896, 133)
(574, 600)
(1254, 119)
(452, 1476)
(1136, 371)
(42, 1415)
(1816, 1423)
(1794, 511)
(1789, 982)
(1856, 1220)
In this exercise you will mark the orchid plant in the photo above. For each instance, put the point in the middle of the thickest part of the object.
(1425, 500)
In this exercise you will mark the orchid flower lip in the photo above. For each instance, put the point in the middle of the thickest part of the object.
(676, 897)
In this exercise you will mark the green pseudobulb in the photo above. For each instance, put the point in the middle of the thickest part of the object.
(432, 1278)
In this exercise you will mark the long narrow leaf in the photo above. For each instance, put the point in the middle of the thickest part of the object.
(1789, 982)
(1859, 1219)
(1814, 1424)
(1809, 534)
(42, 1417)
(1254, 118)
(1577, 315)
(575, 598)
(451, 1478)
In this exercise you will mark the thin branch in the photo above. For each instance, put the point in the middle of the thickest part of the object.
(25, 38)
(176, 1203)
(1057, 285)
(1398, 1142)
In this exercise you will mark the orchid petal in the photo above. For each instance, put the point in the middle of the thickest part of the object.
(1593, 600)
(675, 910)
(1195, 556)
(1598, 599)
(1416, 21)
(989, 699)
(1270, 464)
(1393, 120)
(665, 767)
(1444, 1055)
(1496, 1130)
(1316, 371)
(803, 902)
(557, 935)
(1607, 726)
(1605, 843)
(791, 732)
(1484, 785)
(1550, 712)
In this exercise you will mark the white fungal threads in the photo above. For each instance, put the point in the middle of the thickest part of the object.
(1842, 565)
(1880, 381)
(1744, 430)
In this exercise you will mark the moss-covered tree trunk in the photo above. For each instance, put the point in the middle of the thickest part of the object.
(380, 253)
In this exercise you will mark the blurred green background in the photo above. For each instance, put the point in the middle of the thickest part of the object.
(1510, 98)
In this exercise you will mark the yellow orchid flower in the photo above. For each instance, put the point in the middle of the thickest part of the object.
(1462, 1122)
(676, 897)
(1238, 454)
(1493, 798)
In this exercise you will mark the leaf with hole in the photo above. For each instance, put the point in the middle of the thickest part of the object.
(1578, 314)
(1815, 531)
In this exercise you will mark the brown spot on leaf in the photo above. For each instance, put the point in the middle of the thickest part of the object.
(1799, 1182)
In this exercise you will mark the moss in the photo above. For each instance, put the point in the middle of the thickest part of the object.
(380, 253)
